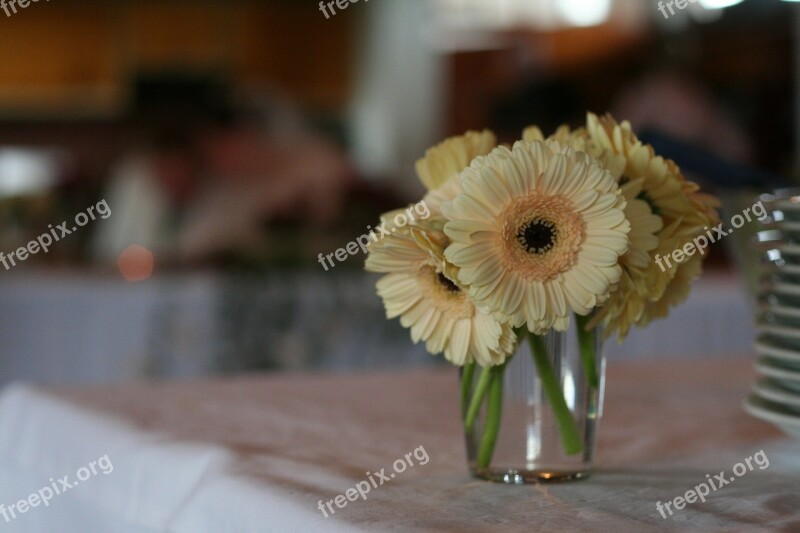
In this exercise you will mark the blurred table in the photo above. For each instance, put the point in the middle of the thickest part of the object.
(258, 454)
(74, 329)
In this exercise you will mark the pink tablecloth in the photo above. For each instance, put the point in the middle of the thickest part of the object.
(258, 454)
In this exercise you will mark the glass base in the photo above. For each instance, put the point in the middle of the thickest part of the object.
(524, 477)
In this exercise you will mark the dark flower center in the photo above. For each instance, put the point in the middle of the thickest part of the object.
(538, 236)
(447, 284)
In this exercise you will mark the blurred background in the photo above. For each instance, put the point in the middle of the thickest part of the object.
(234, 141)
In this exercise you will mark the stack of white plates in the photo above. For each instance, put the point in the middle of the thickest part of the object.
(776, 395)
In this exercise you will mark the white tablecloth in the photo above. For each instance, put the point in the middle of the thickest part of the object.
(257, 454)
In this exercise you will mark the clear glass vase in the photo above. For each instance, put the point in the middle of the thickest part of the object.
(536, 417)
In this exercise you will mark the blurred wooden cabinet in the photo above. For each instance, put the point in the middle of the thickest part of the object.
(78, 58)
(60, 58)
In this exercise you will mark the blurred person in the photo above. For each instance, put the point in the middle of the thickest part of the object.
(265, 164)
(148, 188)
(141, 210)
(205, 177)
(672, 103)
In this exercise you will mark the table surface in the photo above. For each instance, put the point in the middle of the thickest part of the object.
(258, 453)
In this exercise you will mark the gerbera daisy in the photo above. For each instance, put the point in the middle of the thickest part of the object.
(644, 224)
(537, 233)
(678, 287)
(676, 292)
(442, 164)
(421, 288)
(448, 158)
(674, 212)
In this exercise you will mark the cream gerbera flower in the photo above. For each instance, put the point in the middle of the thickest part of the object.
(537, 233)
(644, 224)
(442, 164)
(448, 158)
(421, 288)
(577, 140)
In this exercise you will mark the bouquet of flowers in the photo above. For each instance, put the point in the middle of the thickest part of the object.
(522, 239)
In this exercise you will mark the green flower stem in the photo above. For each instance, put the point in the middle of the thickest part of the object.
(477, 399)
(494, 411)
(466, 385)
(566, 424)
(586, 347)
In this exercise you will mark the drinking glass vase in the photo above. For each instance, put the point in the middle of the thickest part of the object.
(535, 418)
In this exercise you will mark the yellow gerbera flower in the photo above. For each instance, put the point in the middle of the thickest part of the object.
(676, 292)
(537, 233)
(683, 211)
(677, 289)
(421, 288)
